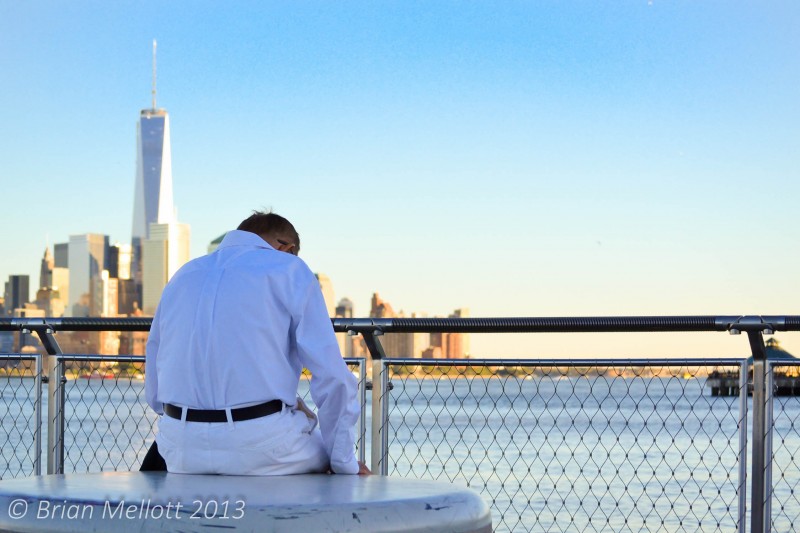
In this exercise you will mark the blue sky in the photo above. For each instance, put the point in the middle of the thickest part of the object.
(516, 158)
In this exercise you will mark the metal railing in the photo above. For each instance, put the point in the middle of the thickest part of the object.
(575, 445)
(782, 469)
(548, 457)
(100, 420)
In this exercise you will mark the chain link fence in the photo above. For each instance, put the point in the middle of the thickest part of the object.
(108, 425)
(642, 447)
(20, 414)
(551, 446)
(785, 435)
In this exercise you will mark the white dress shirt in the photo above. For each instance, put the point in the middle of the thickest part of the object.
(236, 327)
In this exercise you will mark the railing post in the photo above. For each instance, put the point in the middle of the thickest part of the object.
(55, 400)
(768, 427)
(37, 418)
(378, 452)
(362, 399)
(384, 429)
(743, 394)
(761, 493)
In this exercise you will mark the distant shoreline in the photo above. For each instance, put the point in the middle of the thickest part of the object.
(427, 371)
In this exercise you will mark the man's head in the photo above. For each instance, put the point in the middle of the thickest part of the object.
(274, 229)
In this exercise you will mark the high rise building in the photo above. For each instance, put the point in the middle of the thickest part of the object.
(17, 292)
(119, 261)
(347, 344)
(88, 255)
(61, 255)
(451, 345)
(398, 344)
(48, 298)
(408, 345)
(46, 269)
(458, 344)
(152, 202)
(127, 302)
(104, 295)
(61, 284)
(163, 253)
(345, 308)
(380, 308)
(326, 286)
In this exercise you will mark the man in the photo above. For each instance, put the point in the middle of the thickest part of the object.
(229, 340)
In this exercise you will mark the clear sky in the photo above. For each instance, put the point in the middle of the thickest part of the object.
(518, 158)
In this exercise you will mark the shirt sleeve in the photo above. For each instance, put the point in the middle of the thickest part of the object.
(150, 372)
(333, 387)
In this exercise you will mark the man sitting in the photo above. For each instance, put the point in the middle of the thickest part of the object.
(230, 337)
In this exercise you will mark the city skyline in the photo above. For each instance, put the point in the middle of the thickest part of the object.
(570, 160)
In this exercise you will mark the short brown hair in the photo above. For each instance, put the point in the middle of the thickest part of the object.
(271, 225)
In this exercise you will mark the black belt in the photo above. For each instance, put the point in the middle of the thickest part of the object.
(212, 415)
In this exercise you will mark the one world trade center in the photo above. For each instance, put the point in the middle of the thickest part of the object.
(153, 191)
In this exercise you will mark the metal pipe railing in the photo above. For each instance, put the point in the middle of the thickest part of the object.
(733, 323)
(620, 324)
(372, 328)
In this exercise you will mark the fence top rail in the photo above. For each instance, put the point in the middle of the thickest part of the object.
(125, 358)
(621, 324)
(523, 362)
(783, 362)
(25, 356)
(577, 363)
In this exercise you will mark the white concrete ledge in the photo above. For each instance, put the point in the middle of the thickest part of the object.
(151, 501)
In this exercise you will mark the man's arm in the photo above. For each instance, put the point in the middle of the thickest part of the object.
(333, 387)
(150, 373)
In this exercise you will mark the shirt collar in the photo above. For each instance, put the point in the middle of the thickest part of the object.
(244, 238)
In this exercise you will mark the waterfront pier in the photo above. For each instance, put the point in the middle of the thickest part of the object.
(785, 378)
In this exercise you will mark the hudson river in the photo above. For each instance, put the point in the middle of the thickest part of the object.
(550, 453)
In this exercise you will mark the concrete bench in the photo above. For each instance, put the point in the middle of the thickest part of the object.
(156, 501)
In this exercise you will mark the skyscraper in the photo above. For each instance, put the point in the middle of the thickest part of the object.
(61, 255)
(119, 261)
(88, 255)
(163, 253)
(61, 283)
(152, 202)
(46, 269)
(326, 286)
(104, 294)
(345, 308)
(17, 292)
(350, 345)
(48, 297)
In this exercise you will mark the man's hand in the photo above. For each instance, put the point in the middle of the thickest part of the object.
(362, 470)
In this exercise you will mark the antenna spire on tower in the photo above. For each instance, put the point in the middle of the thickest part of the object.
(154, 73)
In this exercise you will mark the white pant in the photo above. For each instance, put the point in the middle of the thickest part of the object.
(282, 443)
